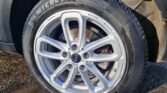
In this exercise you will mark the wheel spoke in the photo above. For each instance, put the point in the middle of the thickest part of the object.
(58, 71)
(103, 58)
(66, 29)
(87, 80)
(57, 44)
(108, 40)
(71, 76)
(82, 32)
(98, 74)
(65, 19)
(56, 56)
(98, 43)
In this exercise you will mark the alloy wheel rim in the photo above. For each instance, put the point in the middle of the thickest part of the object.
(76, 56)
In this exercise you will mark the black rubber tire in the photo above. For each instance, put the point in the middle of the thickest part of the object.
(116, 13)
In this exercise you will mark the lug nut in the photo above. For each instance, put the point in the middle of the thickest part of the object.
(65, 54)
(82, 67)
(86, 55)
(69, 66)
(74, 47)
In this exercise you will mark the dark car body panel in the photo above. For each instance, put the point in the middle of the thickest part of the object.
(6, 38)
(6, 42)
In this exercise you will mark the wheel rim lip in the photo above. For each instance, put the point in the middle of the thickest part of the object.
(99, 22)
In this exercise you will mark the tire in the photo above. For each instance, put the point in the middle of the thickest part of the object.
(128, 34)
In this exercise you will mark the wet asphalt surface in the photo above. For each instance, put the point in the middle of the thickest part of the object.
(15, 77)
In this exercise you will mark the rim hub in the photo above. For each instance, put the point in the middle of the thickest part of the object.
(76, 58)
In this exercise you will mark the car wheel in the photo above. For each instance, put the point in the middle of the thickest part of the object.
(80, 46)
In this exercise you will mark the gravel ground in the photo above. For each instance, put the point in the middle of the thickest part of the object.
(155, 79)
(15, 78)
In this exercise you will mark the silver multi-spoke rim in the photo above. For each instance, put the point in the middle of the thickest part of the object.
(77, 57)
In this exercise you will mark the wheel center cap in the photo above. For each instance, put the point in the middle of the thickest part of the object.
(76, 58)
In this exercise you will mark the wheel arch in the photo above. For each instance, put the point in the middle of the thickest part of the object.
(20, 10)
(154, 26)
